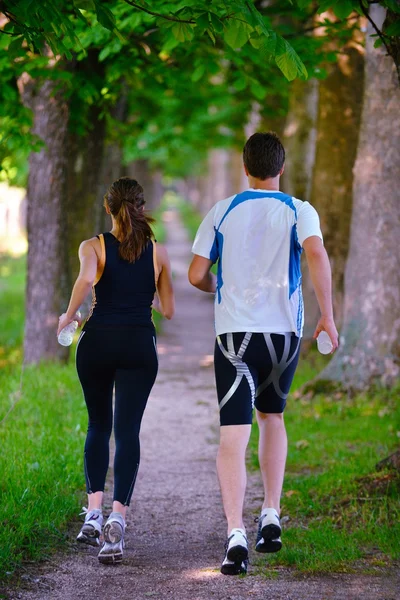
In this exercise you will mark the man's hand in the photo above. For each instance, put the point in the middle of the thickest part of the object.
(327, 324)
(200, 276)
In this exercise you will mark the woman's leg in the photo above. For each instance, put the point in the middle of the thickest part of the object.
(133, 385)
(96, 374)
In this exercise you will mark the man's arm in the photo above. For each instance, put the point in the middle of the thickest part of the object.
(200, 276)
(320, 273)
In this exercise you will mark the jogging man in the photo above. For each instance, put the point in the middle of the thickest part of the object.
(257, 238)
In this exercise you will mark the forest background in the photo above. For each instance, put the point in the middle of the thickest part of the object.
(167, 92)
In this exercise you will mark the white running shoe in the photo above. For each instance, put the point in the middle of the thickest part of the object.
(91, 529)
(269, 531)
(236, 555)
(114, 530)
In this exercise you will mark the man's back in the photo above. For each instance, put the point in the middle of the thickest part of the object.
(257, 237)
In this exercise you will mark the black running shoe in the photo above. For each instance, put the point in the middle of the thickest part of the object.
(269, 532)
(236, 554)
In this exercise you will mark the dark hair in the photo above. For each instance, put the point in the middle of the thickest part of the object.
(125, 200)
(264, 155)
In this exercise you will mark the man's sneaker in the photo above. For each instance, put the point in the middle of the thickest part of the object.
(236, 555)
(269, 531)
(91, 529)
(114, 530)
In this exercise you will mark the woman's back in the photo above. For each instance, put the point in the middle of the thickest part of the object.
(124, 291)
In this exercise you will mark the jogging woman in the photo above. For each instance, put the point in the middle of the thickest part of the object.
(124, 267)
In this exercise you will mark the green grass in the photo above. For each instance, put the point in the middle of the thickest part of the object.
(41, 439)
(41, 460)
(341, 512)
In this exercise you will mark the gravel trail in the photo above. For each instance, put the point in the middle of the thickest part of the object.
(176, 529)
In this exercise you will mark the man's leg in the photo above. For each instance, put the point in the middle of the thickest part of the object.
(272, 451)
(231, 469)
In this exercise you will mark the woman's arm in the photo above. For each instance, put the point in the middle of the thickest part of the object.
(165, 292)
(83, 284)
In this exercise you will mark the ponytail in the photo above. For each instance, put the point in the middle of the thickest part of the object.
(125, 200)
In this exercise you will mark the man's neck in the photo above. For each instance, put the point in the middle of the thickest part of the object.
(272, 183)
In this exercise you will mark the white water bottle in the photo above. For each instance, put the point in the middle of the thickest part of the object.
(324, 343)
(66, 335)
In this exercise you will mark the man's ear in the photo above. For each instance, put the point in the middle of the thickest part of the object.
(245, 170)
(283, 168)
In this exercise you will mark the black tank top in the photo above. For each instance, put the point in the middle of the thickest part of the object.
(124, 292)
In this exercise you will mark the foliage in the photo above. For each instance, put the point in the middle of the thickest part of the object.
(340, 511)
(195, 72)
(191, 72)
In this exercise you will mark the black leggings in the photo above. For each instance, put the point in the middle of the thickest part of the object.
(126, 357)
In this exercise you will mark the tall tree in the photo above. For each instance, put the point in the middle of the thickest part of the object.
(338, 125)
(48, 284)
(370, 349)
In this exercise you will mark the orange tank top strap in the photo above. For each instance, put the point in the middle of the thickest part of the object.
(101, 263)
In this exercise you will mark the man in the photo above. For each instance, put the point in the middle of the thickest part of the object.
(257, 238)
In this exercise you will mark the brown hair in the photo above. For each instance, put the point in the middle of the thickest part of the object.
(125, 200)
(264, 155)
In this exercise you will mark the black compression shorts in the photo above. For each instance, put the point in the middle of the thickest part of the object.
(253, 370)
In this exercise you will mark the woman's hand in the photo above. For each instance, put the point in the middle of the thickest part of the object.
(64, 320)
(156, 304)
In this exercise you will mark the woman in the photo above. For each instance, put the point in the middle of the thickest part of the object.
(125, 268)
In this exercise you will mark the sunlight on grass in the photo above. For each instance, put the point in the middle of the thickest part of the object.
(339, 509)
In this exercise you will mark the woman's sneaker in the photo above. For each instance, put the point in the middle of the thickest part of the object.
(91, 529)
(113, 547)
(269, 531)
(236, 553)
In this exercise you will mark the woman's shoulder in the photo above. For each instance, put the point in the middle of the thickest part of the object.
(91, 244)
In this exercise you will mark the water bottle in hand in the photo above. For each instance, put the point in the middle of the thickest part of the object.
(324, 343)
(66, 335)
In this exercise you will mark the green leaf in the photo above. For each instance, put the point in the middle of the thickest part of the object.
(183, 31)
(203, 21)
(392, 5)
(212, 36)
(343, 9)
(324, 5)
(237, 33)
(258, 90)
(15, 48)
(105, 17)
(290, 64)
(170, 43)
(240, 83)
(257, 42)
(198, 72)
(84, 4)
(302, 4)
(216, 23)
(378, 43)
(393, 29)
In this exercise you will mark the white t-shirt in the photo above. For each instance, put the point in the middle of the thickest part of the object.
(257, 237)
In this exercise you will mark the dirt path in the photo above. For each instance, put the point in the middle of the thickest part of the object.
(176, 528)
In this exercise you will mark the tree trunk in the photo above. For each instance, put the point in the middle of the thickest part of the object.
(85, 156)
(85, 206)
(149, 179)
(370, 349)
(48, 273)
(338, 124)
(300, 137)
